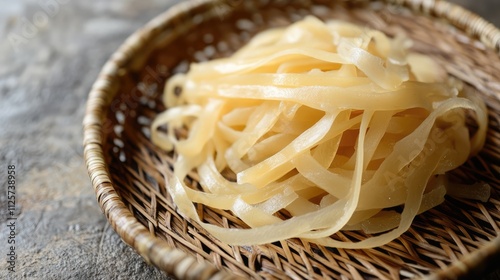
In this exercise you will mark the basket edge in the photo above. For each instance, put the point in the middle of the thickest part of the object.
(173, 261)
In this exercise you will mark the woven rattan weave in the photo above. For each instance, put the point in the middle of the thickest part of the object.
(128, 172)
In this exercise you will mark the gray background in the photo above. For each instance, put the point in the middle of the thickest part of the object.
(45, 75)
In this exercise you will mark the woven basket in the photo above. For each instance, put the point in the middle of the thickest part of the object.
(458, 238)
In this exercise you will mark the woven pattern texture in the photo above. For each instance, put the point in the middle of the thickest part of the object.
(128, 172)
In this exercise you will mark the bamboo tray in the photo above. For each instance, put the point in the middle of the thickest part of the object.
(456, 239)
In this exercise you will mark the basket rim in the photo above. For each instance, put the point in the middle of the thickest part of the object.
(155, 250)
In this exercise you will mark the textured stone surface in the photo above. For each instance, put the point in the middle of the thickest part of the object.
(50, 54)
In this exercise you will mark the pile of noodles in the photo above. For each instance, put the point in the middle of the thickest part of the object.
(328, 124)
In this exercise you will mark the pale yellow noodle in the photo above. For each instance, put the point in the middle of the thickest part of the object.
(329, 124)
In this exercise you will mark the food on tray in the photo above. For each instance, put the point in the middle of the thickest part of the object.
(315, 128)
